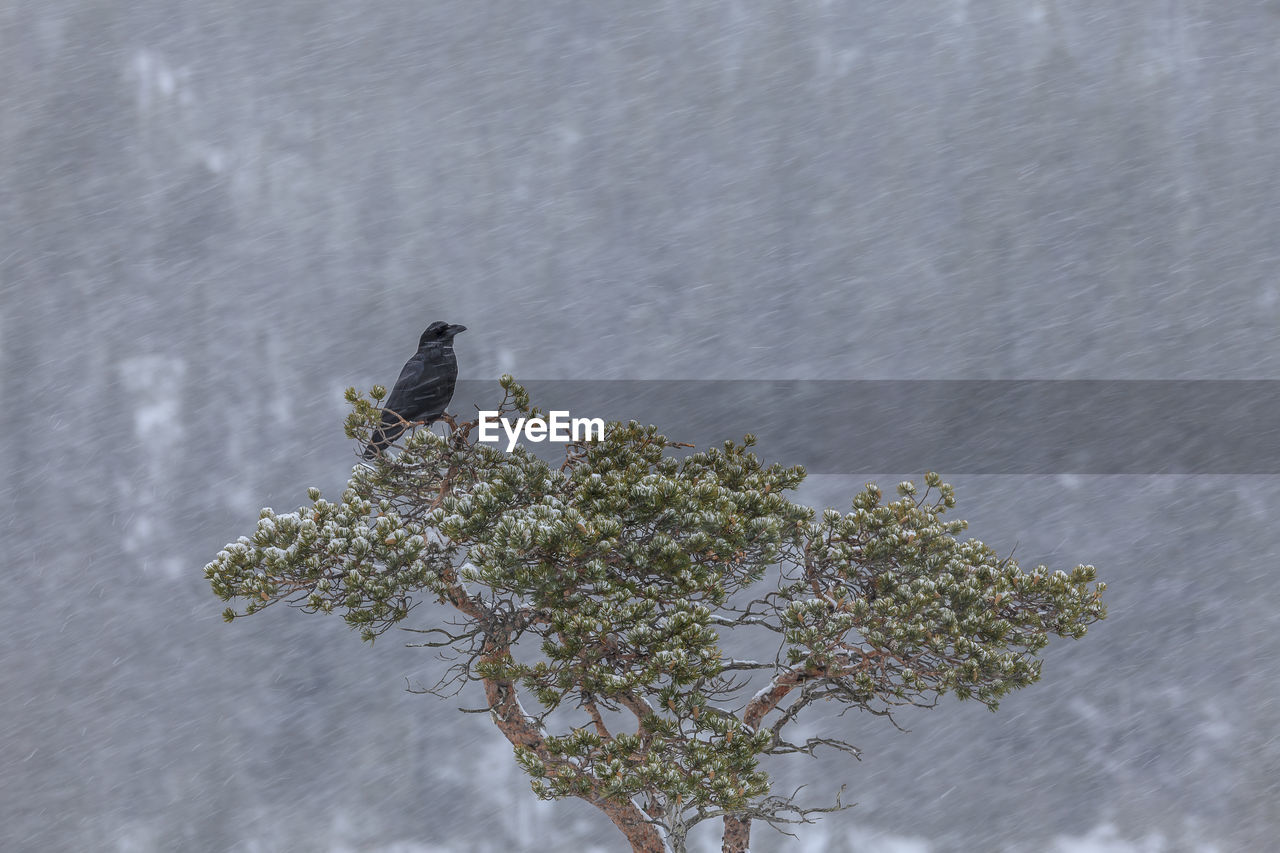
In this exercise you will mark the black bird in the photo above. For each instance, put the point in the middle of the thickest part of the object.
(424, 388)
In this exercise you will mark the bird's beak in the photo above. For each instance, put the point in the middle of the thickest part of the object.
(455, 329)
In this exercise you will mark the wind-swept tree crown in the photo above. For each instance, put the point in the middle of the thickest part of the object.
(605, 588)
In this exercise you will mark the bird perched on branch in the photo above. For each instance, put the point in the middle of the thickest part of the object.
(424, 388)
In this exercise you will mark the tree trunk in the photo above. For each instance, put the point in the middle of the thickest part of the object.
(737, 834)
(520, 731)
(644, 836)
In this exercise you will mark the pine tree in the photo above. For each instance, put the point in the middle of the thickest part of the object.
(591, 600)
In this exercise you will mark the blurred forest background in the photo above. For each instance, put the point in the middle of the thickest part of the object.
(215, 216)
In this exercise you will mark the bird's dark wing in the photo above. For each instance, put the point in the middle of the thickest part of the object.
(410, 377)
(421, 393)
(425, 386)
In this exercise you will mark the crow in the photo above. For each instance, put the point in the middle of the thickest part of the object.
(424, 388)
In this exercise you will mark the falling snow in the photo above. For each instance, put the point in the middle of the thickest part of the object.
(215, 215)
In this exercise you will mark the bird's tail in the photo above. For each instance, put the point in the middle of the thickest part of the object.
(391, 428)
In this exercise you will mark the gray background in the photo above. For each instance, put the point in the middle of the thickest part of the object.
(217, 215)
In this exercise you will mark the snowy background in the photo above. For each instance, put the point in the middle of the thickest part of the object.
(217, 215)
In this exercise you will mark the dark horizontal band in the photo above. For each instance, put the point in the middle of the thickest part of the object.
(951, 426)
